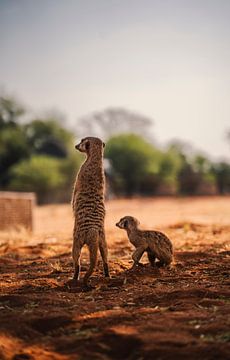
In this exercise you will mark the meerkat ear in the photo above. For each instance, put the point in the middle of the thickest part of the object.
(103, 144)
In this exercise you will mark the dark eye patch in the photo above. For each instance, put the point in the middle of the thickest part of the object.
(125, 223)
(87, 145)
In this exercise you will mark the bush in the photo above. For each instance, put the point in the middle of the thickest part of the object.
(171, 164)
(134, 162)
(47, 136)
(13, 148)
(221, 172)
(40, 174)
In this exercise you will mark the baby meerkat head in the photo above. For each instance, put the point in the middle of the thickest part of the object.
(128, 222)
(89, 142)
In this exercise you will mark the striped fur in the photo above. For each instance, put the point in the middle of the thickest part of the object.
(88, 207)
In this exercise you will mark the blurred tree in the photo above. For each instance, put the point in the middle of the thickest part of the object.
(203, 167)
(10, 111)
(182, 148)
(47, 136)
(189, 180)
(222, 173)
(113, 121)
(13, 145)
(51, 178)
(40, 174)
(38, 155)
(196, 176)
(13, 148)
(133, 160)
(201, 164)
(171, 163)
(182, 172)
(69, 168)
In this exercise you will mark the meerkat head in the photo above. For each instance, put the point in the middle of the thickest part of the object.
(128, 222)
(88, 143)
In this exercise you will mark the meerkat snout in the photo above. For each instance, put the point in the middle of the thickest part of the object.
(127, 222)
(122, 224)
(83, 146)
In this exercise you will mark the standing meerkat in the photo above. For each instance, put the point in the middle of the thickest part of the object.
(89, 209)
(155, 243)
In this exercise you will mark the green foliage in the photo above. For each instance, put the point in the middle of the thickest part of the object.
(201, 164)
(139, 167)
(188, 180)
(10, 111)
(221, 172)
(69, 168)
(133, 159)
(13, 148)
(40, 174)
(171, 164)
(35, 156)
(196, 176)
(47, 136)
(39, 156)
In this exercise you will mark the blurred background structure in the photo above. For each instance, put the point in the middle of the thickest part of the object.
(17, 210)
(150, 78)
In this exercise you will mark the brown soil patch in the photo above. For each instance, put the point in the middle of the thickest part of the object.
(176, 313)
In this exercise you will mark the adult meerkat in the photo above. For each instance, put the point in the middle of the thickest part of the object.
(155, 243)
(89, 209)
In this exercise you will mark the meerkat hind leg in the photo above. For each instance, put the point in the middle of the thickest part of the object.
(76, 259)
(104, 253)
(163, 262)
(93, 252)
(151, 257)
(166, 259)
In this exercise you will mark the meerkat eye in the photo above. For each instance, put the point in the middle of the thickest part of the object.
(87, 145)
(125, 224)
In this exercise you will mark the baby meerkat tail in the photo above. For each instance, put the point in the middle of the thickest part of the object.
(93, 255)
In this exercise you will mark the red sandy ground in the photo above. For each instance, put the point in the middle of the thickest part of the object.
(146, 314)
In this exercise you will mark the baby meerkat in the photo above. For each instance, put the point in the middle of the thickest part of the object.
(155, 243)
(89, 208)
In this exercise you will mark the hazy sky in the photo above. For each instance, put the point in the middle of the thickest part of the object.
(167, 59)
